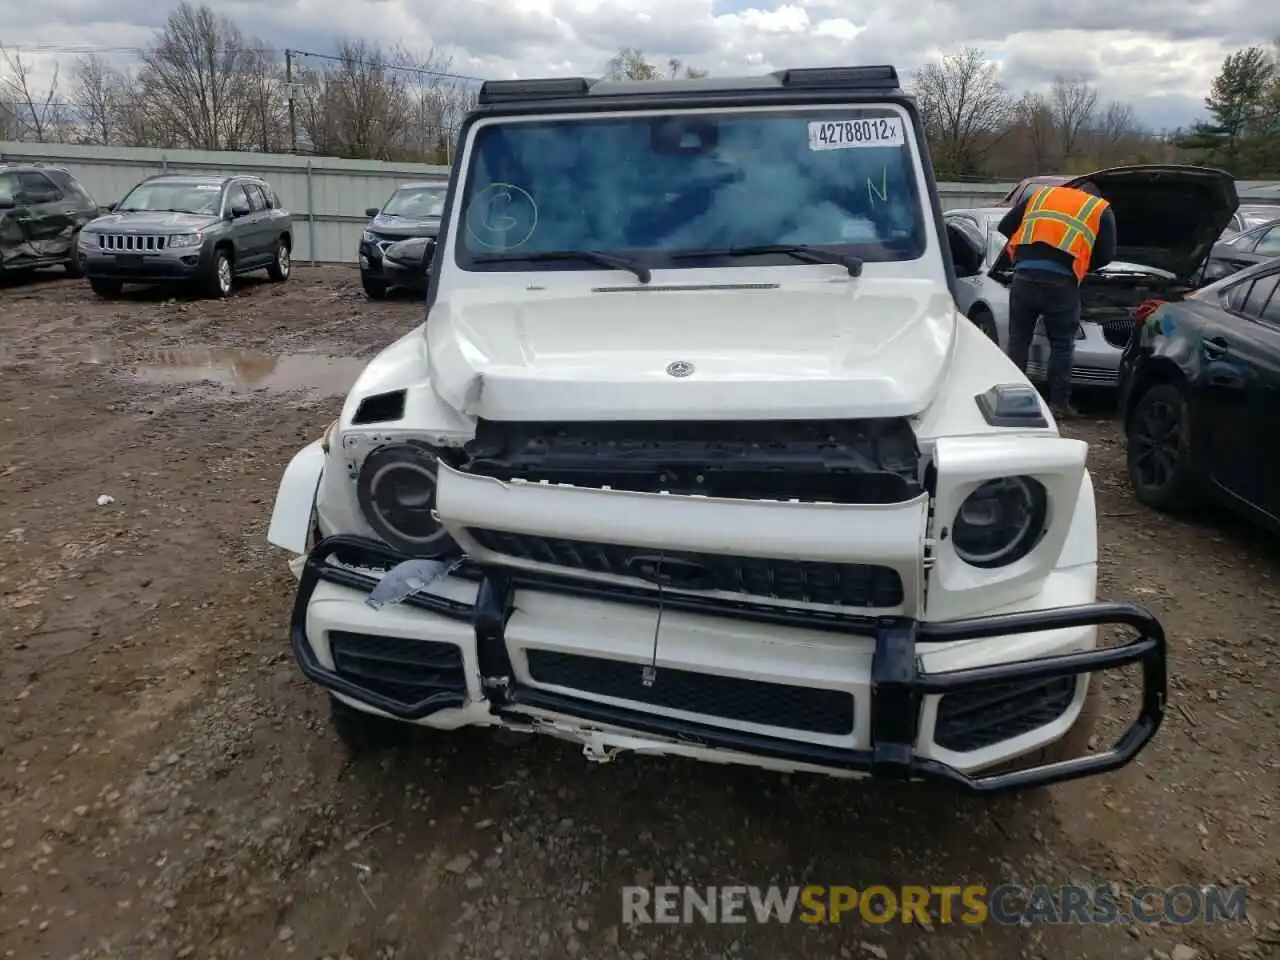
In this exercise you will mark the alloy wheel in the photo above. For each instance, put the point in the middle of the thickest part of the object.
(282, 260)
(1156, 437)
(224, 275)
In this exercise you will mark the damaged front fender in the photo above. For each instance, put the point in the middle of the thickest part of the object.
(292, 514)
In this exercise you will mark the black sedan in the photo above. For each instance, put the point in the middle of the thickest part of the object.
(407, 263)
(1258, 244)
(1200, 397)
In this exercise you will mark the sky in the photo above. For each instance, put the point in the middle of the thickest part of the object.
(1158, 55)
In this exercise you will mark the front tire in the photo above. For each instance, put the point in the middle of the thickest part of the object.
(74, 270)
(986, 322)
(282, 264)
(374, 289)
(221, 278)
(1158, 455)
(364, 733)
(105, 288)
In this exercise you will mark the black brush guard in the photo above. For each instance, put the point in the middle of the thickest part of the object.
(898, 686)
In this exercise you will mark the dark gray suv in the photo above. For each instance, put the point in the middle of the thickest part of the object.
(201, 231)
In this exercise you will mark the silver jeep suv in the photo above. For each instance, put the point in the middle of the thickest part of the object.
(200, 231)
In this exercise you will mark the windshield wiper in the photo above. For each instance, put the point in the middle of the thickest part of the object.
(800, 251)
(643, 273)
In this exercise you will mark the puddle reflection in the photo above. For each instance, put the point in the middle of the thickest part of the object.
(239, 370)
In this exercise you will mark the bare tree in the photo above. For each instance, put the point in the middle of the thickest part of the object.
(98, 93)
(1039, 132)
(629, 64)
(966, 110)
(197, 78)
(678, 68)
(38, 113)
(360, 108)
(1072, 100)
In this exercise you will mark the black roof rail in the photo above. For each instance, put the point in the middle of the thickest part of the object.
(882, 78)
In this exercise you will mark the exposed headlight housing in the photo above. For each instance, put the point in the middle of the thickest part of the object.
(396, 489)
(367, 236)
(185, 240)
(1000, 522)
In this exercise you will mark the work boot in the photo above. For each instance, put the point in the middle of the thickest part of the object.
(1064, 411)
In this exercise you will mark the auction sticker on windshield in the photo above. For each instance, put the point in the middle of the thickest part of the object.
(844, 134)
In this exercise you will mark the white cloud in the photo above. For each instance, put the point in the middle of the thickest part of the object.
(1159, 55)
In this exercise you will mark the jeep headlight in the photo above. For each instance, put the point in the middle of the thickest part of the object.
(396, 489)
(1000, 522)
(367, 236)
(185, 240)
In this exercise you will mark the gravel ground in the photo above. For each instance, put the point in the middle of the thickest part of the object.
(169, 786)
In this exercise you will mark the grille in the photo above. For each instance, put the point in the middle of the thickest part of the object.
(404, 670)
(794, 581)
(984, 716)
(729, 698)
(130, 241)
(1089, 375)
(1117, 332)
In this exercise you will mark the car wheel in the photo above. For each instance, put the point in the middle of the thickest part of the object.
(74, 270)
(1158, 435)
(282, 264)
(374, 289)
(365, 733)
(984, 321)
(221, 278)
(106, 288)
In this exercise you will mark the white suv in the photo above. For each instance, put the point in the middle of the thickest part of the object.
(693, 455)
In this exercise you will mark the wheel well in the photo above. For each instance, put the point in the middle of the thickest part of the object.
(228, 248)
(288, 240)
(980, 308)
(1154, 372)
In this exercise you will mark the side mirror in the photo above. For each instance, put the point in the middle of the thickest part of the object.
(110, 206)
(371, 212)
(966, 256)
(237, 210)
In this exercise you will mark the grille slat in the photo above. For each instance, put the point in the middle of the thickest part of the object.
(131, 242)
(813, 710)
(404, 670)
(981, 717)
(793, 581)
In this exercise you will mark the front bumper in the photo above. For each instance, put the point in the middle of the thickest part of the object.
(1095, 363)
(898, 686)
(401, 275)
(145, 267)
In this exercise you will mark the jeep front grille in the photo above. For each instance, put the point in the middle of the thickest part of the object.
(792, 581)
(811, 709)
(130, 242)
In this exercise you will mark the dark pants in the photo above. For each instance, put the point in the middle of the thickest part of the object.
(1055, 297)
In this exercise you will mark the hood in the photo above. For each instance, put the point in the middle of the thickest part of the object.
(151, 221)
(1168, 216)
(874, 348)
(390, 225)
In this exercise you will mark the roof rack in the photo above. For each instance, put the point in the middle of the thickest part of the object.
(862, 79)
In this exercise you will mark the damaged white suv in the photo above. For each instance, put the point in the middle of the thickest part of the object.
(693, 455)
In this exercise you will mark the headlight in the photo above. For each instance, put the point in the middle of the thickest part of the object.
(397, 493)
(1000, 522)
(87, 239)
(186, 240)
(367, 236)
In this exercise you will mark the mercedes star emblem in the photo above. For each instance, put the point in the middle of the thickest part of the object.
(680, 368)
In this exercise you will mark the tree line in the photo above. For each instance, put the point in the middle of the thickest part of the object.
(202, 83)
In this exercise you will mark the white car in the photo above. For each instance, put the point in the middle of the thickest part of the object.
(693, 455)
(1168, 217)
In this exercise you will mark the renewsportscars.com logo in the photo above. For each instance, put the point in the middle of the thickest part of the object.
(1007, 904)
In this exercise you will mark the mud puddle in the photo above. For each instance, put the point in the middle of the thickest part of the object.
(237, 371)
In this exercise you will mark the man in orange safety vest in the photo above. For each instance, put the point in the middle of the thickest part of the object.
(1056, 236)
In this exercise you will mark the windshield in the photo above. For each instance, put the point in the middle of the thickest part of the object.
(180, 197)
(415, 202)
(651, 186)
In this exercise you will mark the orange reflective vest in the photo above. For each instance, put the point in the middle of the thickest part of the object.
(1065, 218)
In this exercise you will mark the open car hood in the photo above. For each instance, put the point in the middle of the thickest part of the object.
(1168, 216)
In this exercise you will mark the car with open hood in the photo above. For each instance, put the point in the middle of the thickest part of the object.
(694, 455)
(1168, 217)
(411, 212)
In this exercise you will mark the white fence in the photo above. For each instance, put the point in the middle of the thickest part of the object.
(328, 196)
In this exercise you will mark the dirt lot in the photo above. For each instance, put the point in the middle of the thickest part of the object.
(169, 786)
